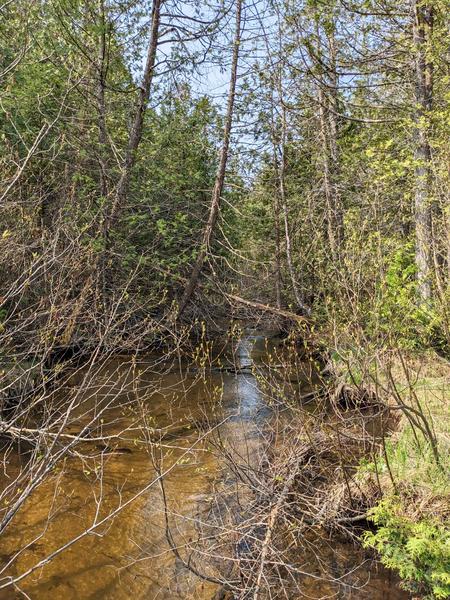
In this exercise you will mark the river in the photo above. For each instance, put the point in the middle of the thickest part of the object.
(129, 556)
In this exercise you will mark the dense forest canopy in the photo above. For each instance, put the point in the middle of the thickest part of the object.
(335, 177)
(167, 165)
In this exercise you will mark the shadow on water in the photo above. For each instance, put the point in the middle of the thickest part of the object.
(129, 557)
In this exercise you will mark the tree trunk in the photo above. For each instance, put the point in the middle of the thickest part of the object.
(97, 274)
(328, 109)
(276, 204)
(136, 130)
(220, 175)
(280, 167)
(101, 106)
(336, 201)
(278, 282)
(422, 29)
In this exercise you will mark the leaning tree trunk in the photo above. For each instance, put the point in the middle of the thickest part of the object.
(422, 29)
(138, 121)
(220, 175)
(97, 272)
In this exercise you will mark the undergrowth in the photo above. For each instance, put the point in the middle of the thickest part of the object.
(418, 550)
(412, 529)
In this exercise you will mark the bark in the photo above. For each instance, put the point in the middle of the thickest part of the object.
(328, 104)
(422, 29)
(102, 68)
(278, 282)
(220, 175)
(280, 166)
(135, 137)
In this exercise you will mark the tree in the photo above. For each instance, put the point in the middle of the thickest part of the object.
(221, 171)
(422, 13)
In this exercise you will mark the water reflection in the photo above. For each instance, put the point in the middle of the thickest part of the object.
(129, 557)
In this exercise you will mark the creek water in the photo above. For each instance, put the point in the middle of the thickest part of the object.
(129, 556)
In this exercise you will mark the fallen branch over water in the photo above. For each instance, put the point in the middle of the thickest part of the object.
(281, 312)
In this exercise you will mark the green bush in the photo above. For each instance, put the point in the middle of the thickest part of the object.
(399, 311)
(418, 551)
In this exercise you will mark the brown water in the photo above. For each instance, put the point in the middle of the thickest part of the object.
(129, 556)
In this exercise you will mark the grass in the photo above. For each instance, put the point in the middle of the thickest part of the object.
(412, 532)
(409, 452)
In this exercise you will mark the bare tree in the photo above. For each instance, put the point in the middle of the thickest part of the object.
(280, 160)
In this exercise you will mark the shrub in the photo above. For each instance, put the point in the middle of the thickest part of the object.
(415, 325)
(418, 551)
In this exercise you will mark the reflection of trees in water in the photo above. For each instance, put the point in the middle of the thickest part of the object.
(180, 482)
